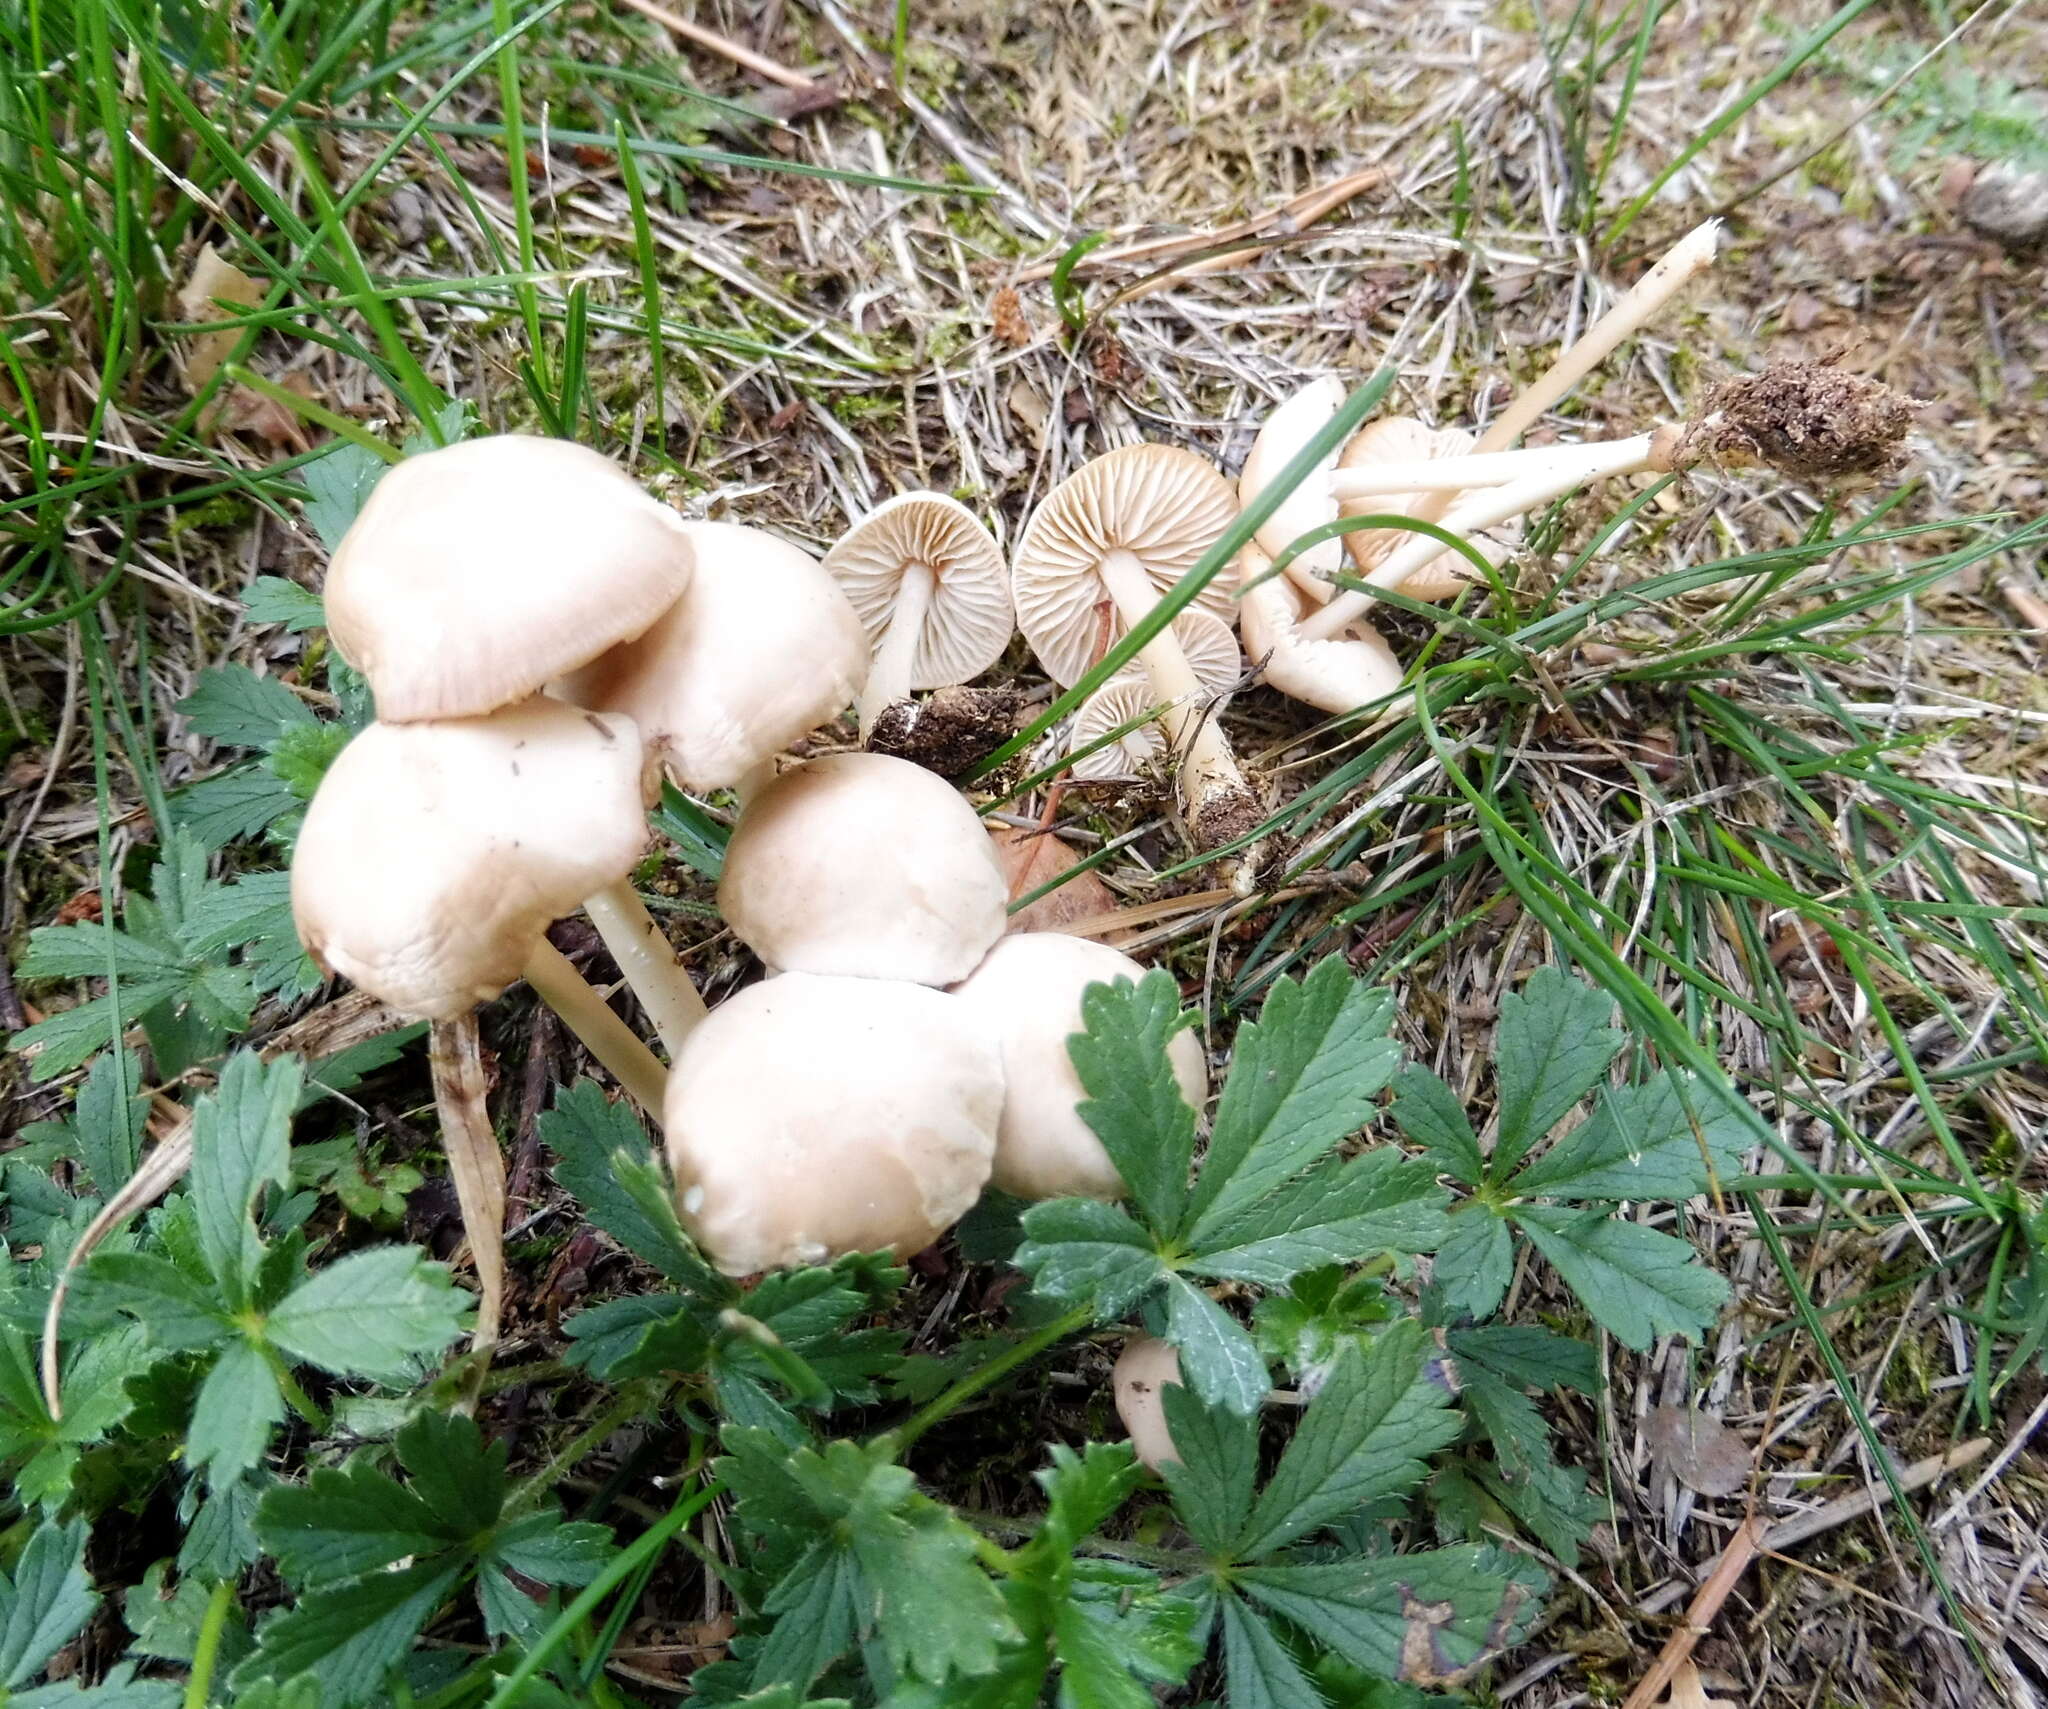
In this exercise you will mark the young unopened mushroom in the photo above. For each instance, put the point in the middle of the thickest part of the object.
(432, 859)
(1117, 533)
(865, 866)
(1144, 1368)
(478, 573)
(930, 587)
(762, 648)
(810, 1117)
(1027, 995)
(1339, 674)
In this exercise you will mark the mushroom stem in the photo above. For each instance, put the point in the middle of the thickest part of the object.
(475, 1164)
(889, 674)
(1207, 766)
(1492, 505)
(649, 964)
(604, 1035)
(1459, 474)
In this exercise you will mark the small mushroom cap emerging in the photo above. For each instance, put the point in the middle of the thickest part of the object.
(1403, 439)
(1211, 648)
(478, 573)
(1112, 707)
(809, 1117)
(1163, 505)
(969, 621)
(866, 866)
(1028, 996)
(434, 855)
(1340, 674)
(762, 648)
(1144, 1368)
(1281, 439)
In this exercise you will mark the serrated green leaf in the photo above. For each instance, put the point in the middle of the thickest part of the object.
(1428, 1618)
(1384, 1408)
(541, 1547)
(1215, 1472)
(119, 1690)
(220, 1530)
(641, 1335)
(1219, 1360)
(1134, 1103)
(1338, 1212)
(46, 1603)
(1528, 1356)
(1077, 1249)
(231, 805)
(460, 1473)
(376, 1313)
(343, 1523)
(818, 1609)
(935, 1610)
(1646, 1141)
(175, 1312)
(1553, 1044)
(347, 1637)
(1111, 1655)
(241, 1143)
(1081, 1491)
(232, 704)
(603, 1156)
(302, 754)
(103, 1130)
(1322, 1311)
(337, 487)
(1259, 1671)
(1474, 1263)
(239, 1405)
(64, 1040)
(1430, 1114)
(96, 950)
(272, 599)
(1637, 1283)
(1303, 1076)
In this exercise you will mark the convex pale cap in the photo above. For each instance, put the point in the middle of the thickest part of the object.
(1144, 1368)
(478, 573)
(1403, 439)
(1027, 995)
(434, 855)
(809, 1117)
(762, 648)
(964, 620)
(1281, 439)
(866, 866)
(1352, 669)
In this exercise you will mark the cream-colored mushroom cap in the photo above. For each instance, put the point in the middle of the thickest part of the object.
(1144, 1368)
(479, 573)
(1403, 439)
(809, 1117)
(867, 866)
(434, 855)
(925, 561)
(1310, 504)
(762, 648)
(1158, 504)
(1113, 707)
(1211, 648)
(1027, 994)
(1341, 674)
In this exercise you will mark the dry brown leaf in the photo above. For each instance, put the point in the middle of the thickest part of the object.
(212, 283)
(1030, 859)
(1700, 1452)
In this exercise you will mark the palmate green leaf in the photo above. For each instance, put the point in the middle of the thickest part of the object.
(1260, 1671)
(1338, 1212)
(1427, 1618)
(93, 1385)
(46, 1603)
(239, 1405)
(1304, 1075)
(1075, 1249)
(640, 1335)
(175, 1312)
(1321, 1312)
(272, 599)
(347, 1637)
(232, 704)
(1475, 1262)
(231, 805)
(1385, 1407)
(1219, 1360)
(1637, 1283)
(602, 1155)
(1553, 1044)
(1550, 1499)
(254, 915)
(1430, 1114)
(303, 753)
(1114, 1648)
(376, 1313)
(102, 1134)
(1645, 1141)
(64, 1040)
(337, 487)
(818, 1609)
(1134, 1102)
(241, 1144)
(1217, 1470)
(1528, 1356)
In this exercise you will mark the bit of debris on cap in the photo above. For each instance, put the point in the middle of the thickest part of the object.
(949, 732)
(1808, 420)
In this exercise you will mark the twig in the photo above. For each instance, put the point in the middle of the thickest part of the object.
(1732, 1563)
(760, 64)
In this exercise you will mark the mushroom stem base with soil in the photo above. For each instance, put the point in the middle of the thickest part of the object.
(648, 961)
(889, 675)
(604, 1035)
(1219, 805)
(475, 1164)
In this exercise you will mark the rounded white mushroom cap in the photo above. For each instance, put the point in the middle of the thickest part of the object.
(1144, 1368)
(1403, 439)
(478, 573)
(1027, 995)
(434, 855)
(809, 1117)
(762, 648)
(1112, 707)
(1210, 645)
(864, 865)
(1163, 505)
(1341, 674)
(968, 621)
(1285, 432)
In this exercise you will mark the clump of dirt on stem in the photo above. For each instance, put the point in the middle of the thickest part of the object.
(1808, 420)
(951, 732)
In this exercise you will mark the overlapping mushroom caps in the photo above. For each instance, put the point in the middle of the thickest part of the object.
(929, 585)
(1127, 705)
(1338, 675)
(1093, 562)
